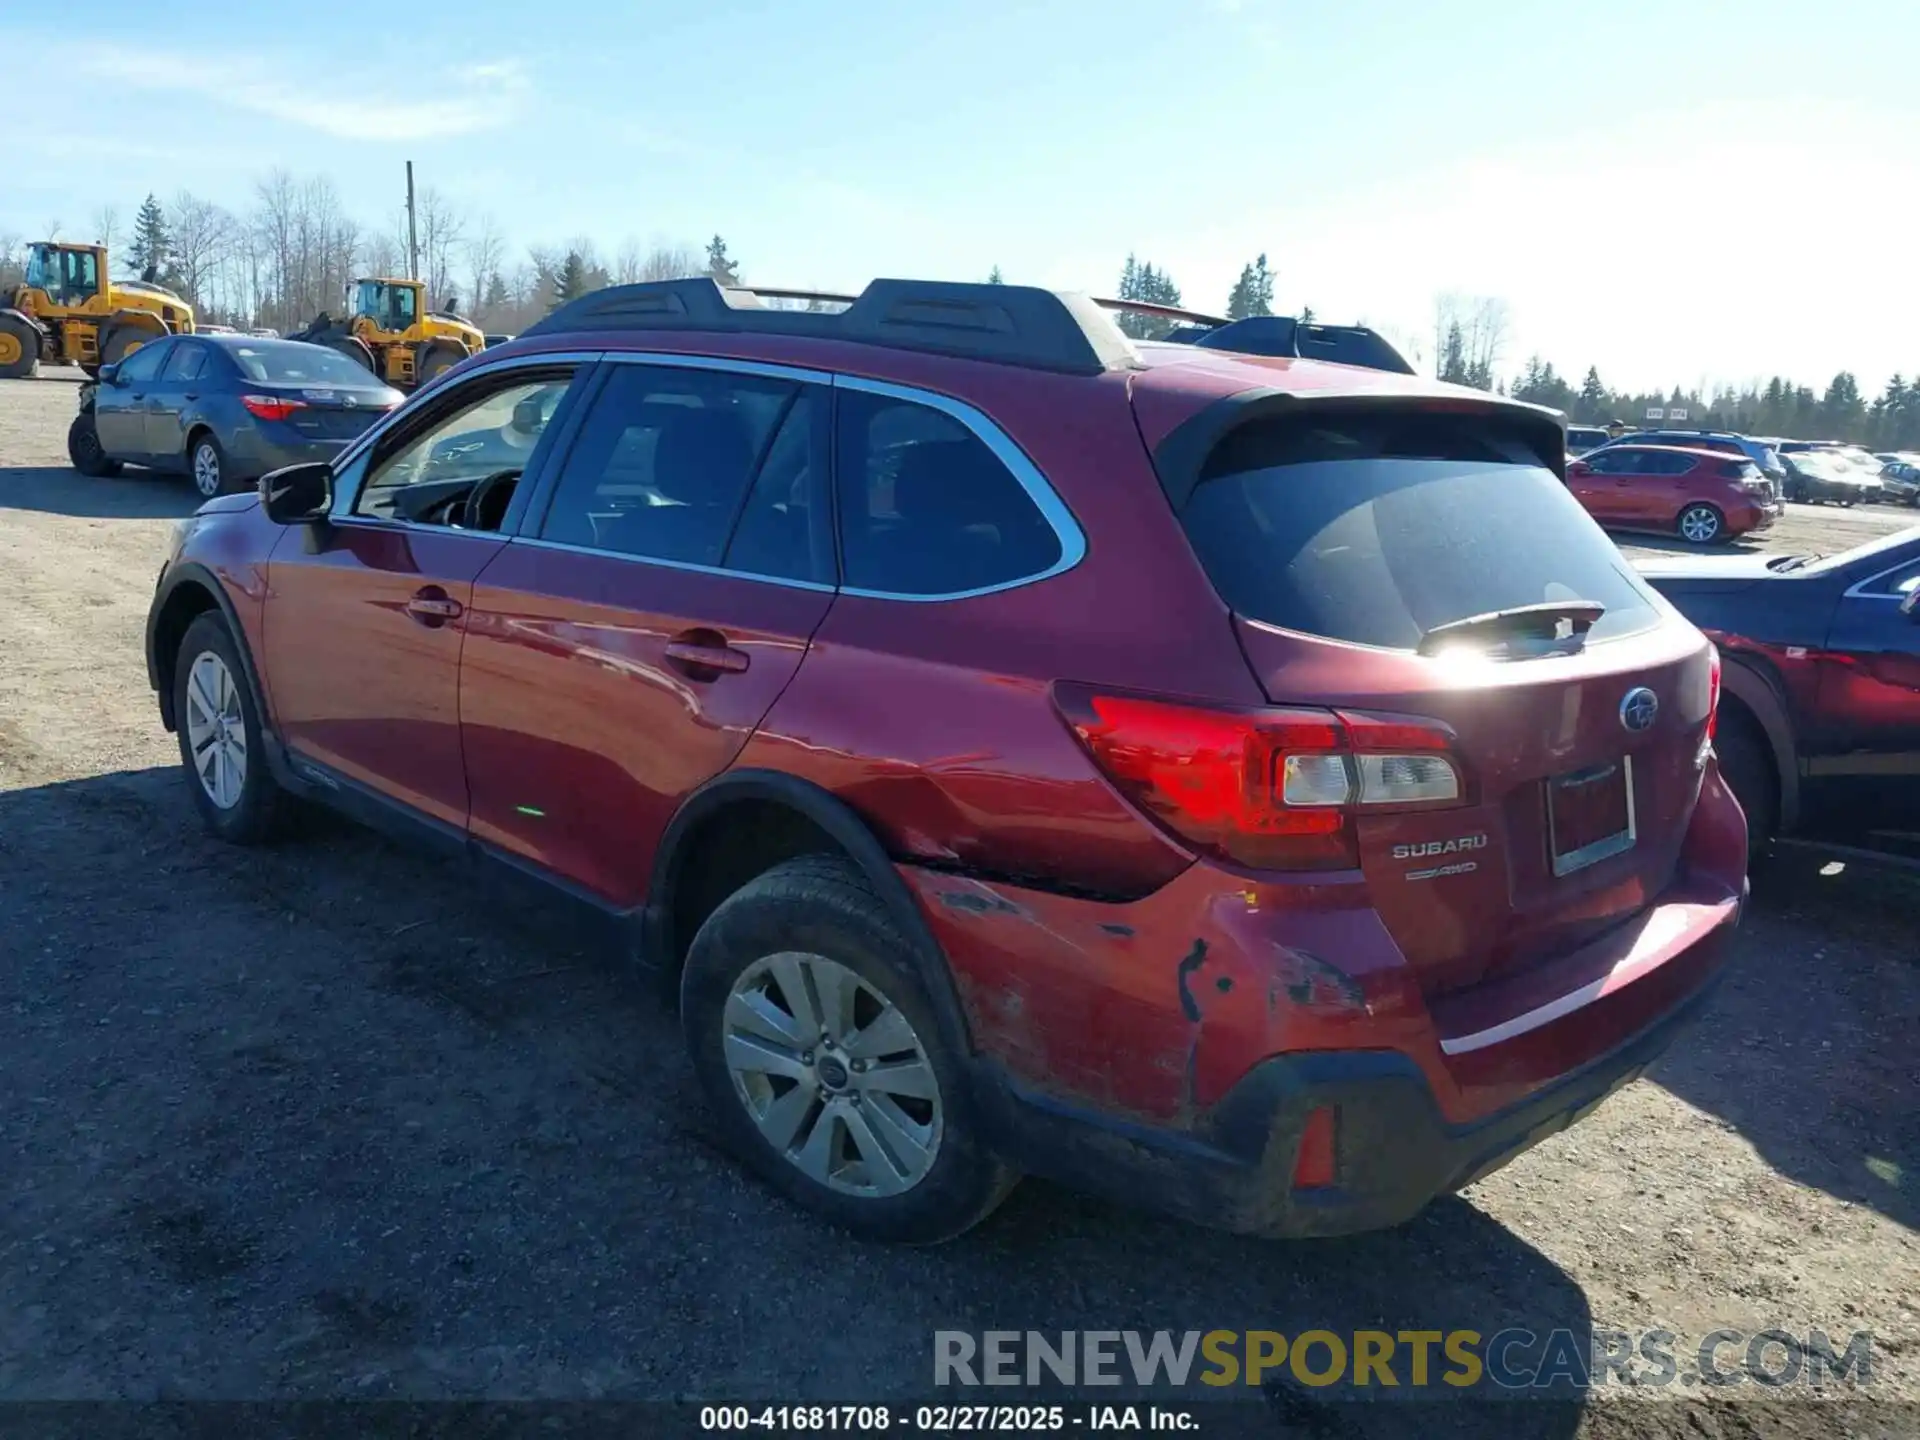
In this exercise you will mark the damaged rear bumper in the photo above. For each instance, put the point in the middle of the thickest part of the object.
(1396, 1151)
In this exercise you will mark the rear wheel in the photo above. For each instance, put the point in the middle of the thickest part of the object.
(1701, 525)
(436, 359)
(19, 349)
(83, 448)
(355, 349)
(122, 341)
(824, 1061)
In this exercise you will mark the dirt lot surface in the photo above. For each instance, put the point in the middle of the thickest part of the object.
(330, 1120)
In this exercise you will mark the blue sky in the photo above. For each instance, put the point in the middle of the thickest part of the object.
(1673, 191)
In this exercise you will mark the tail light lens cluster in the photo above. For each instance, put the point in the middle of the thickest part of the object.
(271, 407)
(1268, 789)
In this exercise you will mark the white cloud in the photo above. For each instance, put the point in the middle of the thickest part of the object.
(463, 99)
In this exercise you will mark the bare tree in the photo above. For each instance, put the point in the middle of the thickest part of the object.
(1469, 336)
(442, 227)
(202, 233)
(52, 231)
(12, 259)
(106, 226)
(486, 246)
(661, 262)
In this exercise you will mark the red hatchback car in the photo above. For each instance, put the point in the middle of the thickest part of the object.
(1703, 496)
(1248, 787)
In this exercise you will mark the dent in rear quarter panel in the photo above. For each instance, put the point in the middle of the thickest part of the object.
(235, 545)
(934, 719)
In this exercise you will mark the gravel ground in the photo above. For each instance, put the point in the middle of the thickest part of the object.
(329, 1120)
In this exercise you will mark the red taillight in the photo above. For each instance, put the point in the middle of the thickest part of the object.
(1268, 789)
(1713, 690)
(271, 407)
(1315, 1165)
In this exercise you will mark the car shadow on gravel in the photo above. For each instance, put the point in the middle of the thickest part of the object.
(1808, 1050)
(329, 1118)
(133, 494)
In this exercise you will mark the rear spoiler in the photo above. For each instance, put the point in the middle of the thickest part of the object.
(1280, 335)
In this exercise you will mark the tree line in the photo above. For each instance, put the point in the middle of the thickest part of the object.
(293, 251)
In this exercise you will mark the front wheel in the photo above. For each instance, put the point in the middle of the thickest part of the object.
(824, 1061)
(1746, 764)
(84, 449)
(19, 349)
(122, 341)
(220, 737)
(1701, 525)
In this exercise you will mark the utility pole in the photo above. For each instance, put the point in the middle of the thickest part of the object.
(413, 235)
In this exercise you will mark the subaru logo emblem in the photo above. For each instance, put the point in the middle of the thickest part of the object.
(1639, 708)
(348, 401)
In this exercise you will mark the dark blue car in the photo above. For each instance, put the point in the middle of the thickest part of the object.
(223, 409)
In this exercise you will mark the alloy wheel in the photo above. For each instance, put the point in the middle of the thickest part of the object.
(832, 1074)
(1700, 525)
(216, 730)
(206, 469)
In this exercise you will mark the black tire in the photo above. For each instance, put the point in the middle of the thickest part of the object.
(215, 458)
(22, 344)
(355, 349)
(435, 359)
(1747, 765)
(1709, 525)
(122, 340)
(822, 905)
(83, 448)
(261, 805)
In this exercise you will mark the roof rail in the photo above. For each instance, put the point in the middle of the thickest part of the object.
(1008, 324)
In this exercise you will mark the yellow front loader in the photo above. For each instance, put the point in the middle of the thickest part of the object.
(393, 334)
(67, 311)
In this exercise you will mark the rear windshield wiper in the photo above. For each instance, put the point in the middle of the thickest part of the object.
(1546, 620)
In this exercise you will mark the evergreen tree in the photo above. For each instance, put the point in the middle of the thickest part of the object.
(151, 248)
(720, 265)
(1252, 293)
(994, 277)
(1594, 403)
(1140, 281)
(571, 282)
(1453, 357)
(496, 292)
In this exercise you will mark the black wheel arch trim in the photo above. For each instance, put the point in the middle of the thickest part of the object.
(1761, 694)
(846, 828)
(192, 572)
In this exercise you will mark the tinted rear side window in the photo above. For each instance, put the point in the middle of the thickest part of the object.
(1376, 530)
(926, 508)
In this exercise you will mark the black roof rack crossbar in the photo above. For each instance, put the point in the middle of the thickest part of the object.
(1009, 324)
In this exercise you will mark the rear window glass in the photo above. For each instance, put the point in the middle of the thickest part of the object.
(290, 362)
(1376, 531)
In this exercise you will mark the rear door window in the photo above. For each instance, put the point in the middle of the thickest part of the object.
(926, 508)
(1376, 530)
(184, 364)
(663, 462)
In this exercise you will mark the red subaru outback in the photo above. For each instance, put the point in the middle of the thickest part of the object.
(1252, 787)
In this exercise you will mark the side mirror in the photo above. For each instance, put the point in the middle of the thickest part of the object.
(297, 494)
(110, 373)
(1910, 604)
(1578, 467)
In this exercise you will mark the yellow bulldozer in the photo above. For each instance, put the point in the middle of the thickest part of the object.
(67, 311)
(392, 333)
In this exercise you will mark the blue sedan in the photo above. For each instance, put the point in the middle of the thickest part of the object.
(223, 409)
